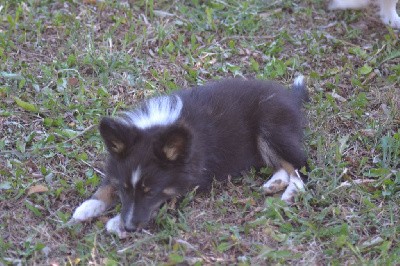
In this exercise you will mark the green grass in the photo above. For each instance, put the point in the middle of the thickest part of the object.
(65, 64)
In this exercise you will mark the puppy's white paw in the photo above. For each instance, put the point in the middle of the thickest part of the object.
(89, 209)
(278, 182)
(114, 226)
(295, 186)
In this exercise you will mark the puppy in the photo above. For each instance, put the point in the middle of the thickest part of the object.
(172, 144)
(387, 9)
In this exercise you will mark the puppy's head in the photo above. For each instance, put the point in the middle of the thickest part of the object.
(148, 166)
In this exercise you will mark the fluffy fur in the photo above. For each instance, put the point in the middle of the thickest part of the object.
(387, 9)
(172, 144)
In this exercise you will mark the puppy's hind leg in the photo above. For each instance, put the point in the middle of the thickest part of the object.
(278, 182)
(286, 178)
(295, 186)
(280, 179)
(101, 200)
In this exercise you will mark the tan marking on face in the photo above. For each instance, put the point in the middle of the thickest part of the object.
(145, 189)
(169, 191)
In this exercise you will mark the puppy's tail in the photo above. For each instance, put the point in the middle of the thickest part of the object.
(299, 89)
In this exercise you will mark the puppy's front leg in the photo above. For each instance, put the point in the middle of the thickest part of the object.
(114, 226)
(101, 200)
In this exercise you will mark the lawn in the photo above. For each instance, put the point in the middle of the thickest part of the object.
(65, 64)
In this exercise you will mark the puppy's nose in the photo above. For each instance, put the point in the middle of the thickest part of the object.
(130, 227)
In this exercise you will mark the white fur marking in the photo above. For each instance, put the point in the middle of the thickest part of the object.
(135, 176)
(129, 215)
(161, 111)
(299, 81)
(89, 209)
(295, 185)
(277, 182)
(114, 226)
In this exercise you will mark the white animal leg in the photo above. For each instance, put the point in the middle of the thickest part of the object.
(388, 13)
(278, 182)
(114, 226)
(89, 209)
(295, 186)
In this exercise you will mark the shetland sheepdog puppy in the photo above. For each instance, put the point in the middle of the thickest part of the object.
(172, 144)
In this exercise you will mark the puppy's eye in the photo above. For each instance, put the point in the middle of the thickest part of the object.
(145, 189)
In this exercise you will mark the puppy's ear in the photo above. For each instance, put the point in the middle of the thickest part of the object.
(117, 135)
(173, 144)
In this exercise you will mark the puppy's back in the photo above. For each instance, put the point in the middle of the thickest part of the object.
(228, 117)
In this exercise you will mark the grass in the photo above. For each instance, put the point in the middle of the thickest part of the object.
(65, 64)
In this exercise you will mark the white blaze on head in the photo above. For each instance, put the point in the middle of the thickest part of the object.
(159, 111)
(135, 176)
(129, 214)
